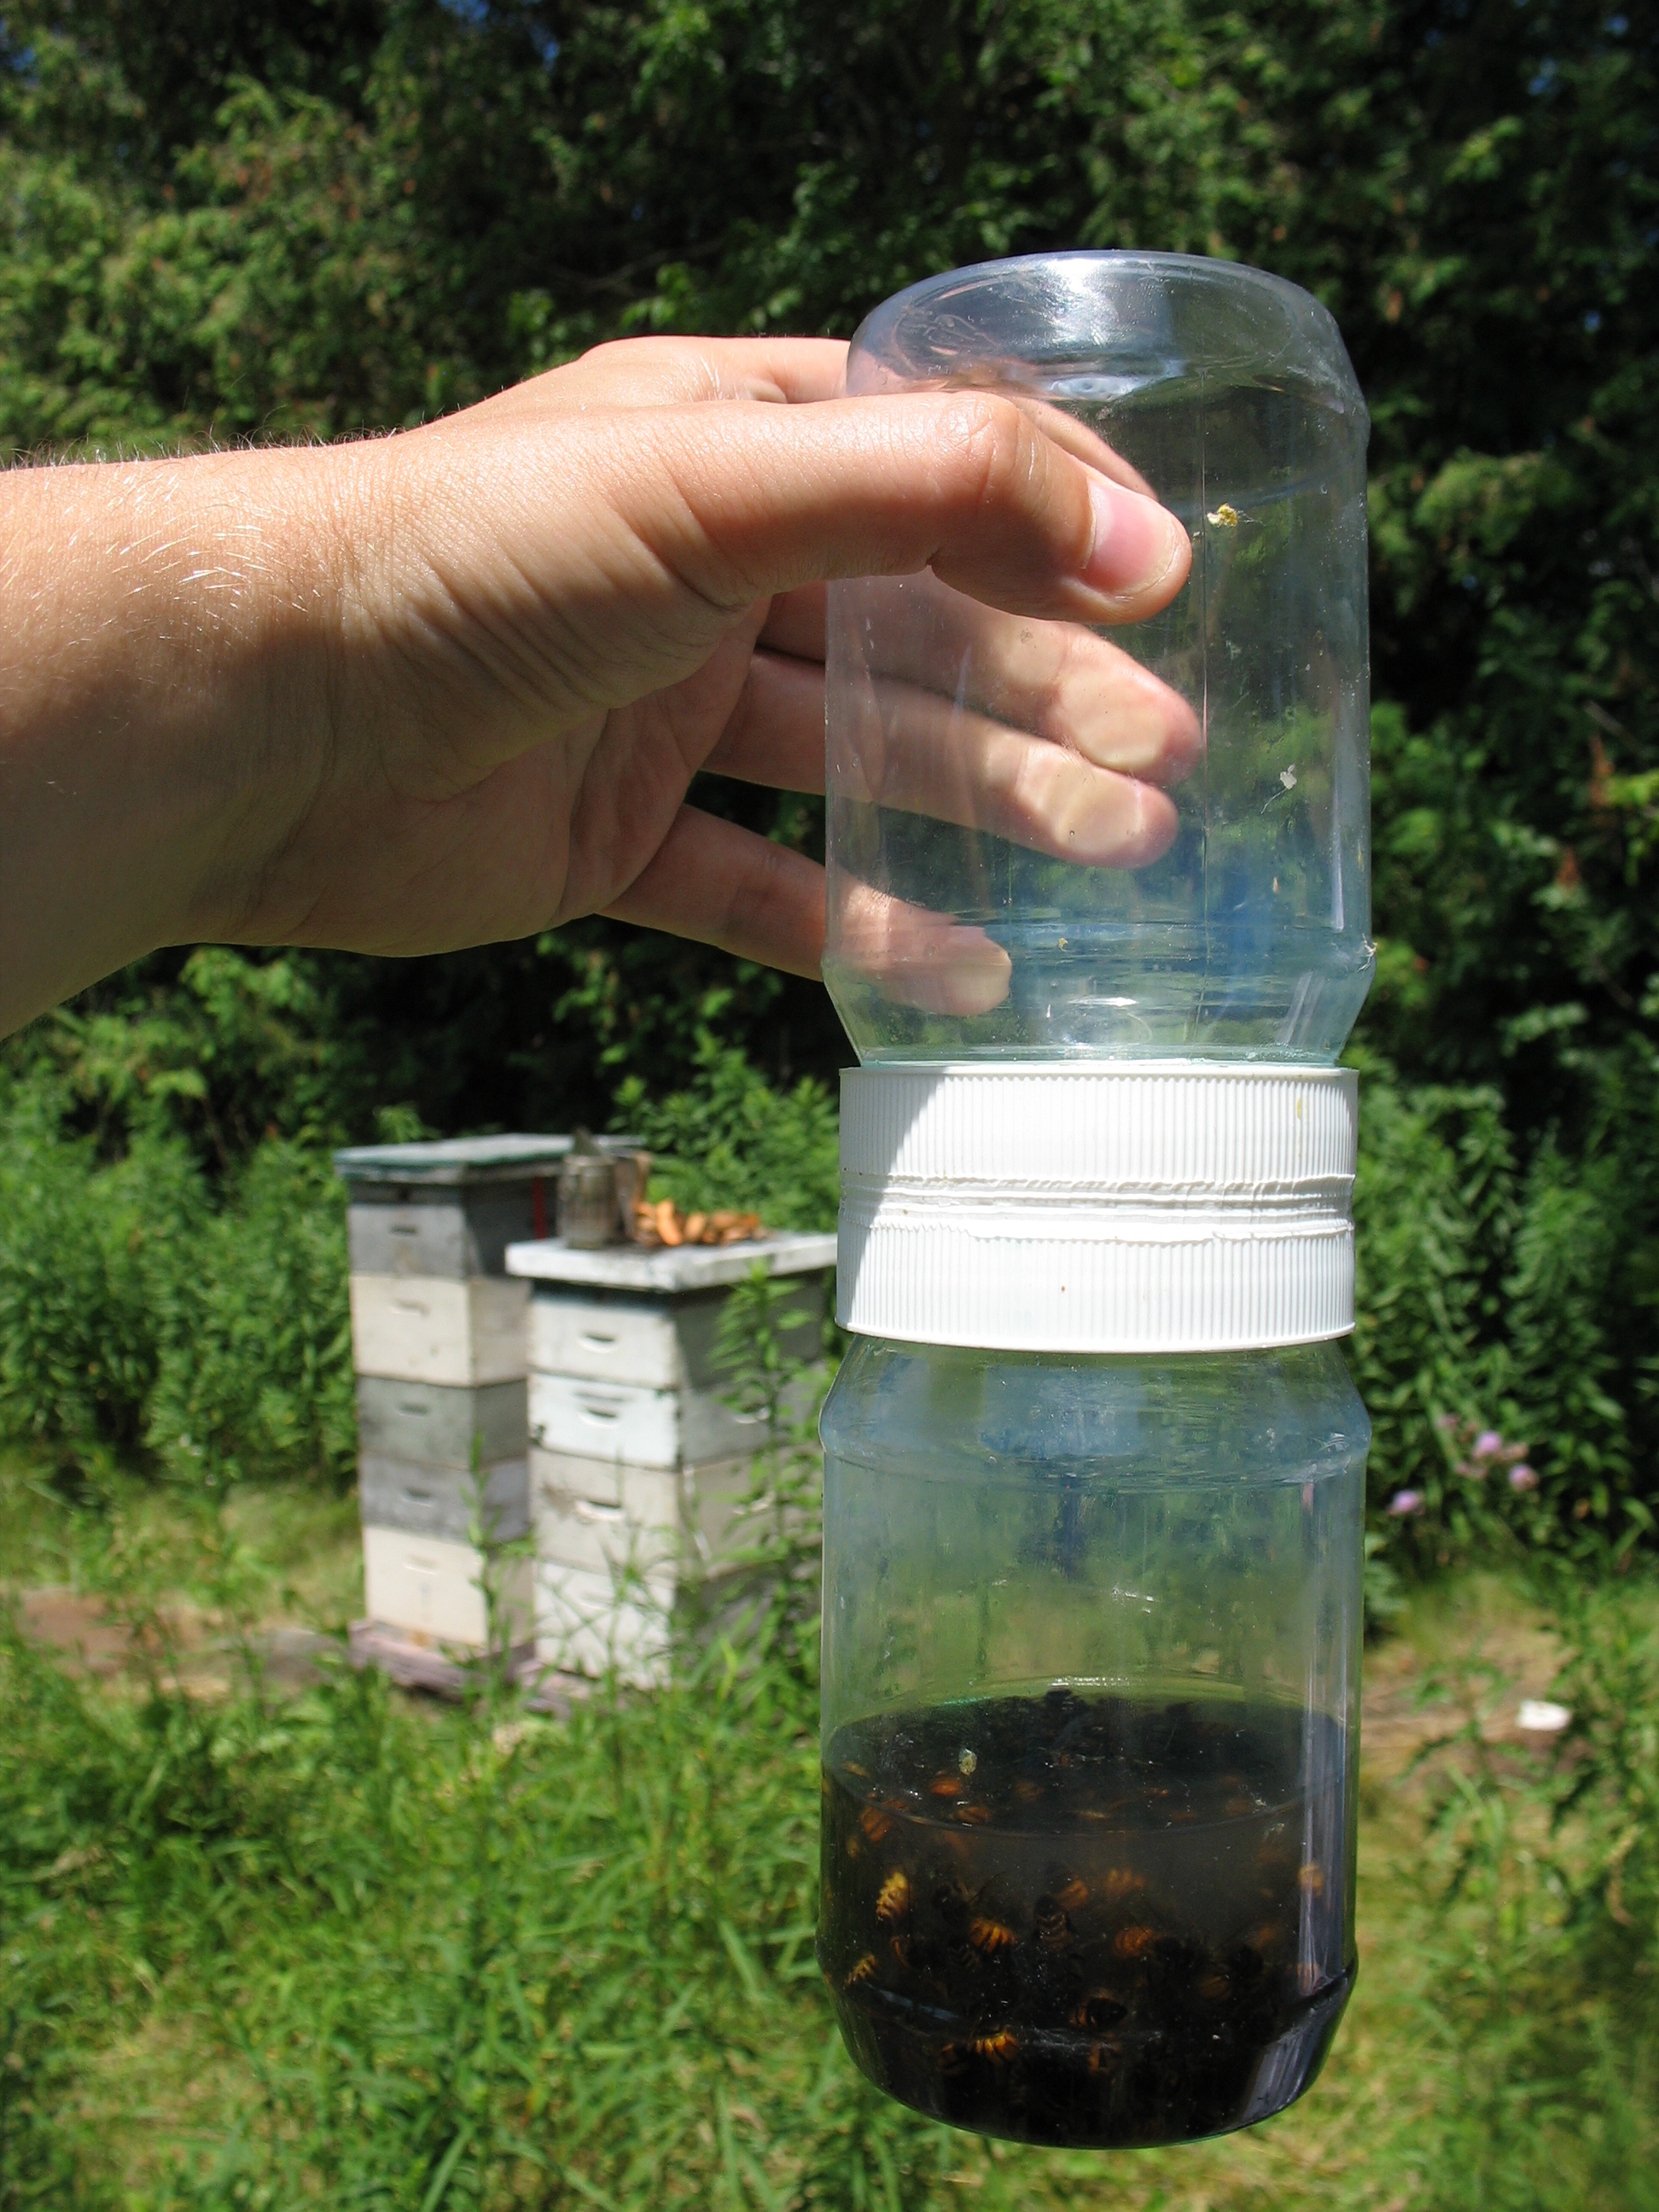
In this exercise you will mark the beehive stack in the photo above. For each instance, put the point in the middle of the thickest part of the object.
(438, 1341)
(637, 1464)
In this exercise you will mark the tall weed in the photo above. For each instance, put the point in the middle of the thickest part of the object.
(140, 1309)
(1507, 1302)
(255, 1373)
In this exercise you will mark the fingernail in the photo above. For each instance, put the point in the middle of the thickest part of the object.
(1137, 543)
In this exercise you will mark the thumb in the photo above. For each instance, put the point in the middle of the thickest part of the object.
(762, 500)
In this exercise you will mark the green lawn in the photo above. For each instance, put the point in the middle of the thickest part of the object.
(328, 1945)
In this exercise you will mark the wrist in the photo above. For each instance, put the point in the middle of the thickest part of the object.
(164, 679)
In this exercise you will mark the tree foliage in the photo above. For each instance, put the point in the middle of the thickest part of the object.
(318, 218)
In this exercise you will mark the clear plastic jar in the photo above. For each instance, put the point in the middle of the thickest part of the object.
(1091, 1672)
(957, 931)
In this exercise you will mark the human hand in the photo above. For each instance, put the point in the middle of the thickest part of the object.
(453, 686)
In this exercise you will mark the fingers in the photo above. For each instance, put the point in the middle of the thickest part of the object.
(770, 499)
(670, 372)
(916, 958)
(775, 732)
(1078, 438)
(918, 752)
(717, 884)
(722, 886)
(1057, 679)
(794, 622)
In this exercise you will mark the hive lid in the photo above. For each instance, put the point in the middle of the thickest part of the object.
(452, 1160)
(1156, 1206)
(684, 1267)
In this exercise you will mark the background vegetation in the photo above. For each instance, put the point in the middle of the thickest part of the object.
(316, 217)
(259, 1950)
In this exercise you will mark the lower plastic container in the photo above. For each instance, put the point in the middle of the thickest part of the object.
(1091, 1676)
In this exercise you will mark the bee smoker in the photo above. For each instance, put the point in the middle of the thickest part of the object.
(590, 1204)
(1094, 1465)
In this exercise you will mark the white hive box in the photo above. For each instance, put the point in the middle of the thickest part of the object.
(418, 1328)
(434, 1591)
(637, 1467)
(438, 1341)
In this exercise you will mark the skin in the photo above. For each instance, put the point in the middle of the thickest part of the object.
(449, 687)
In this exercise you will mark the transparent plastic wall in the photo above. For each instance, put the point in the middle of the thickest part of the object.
(1091, 1707)
(966, 921)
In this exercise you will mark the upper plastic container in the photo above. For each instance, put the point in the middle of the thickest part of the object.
(963, 923)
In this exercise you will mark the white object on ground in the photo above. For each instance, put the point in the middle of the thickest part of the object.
(1538, 1716)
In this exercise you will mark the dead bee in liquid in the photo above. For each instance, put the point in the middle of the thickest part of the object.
(1052, 1924)
(893, 1898)
(999, 2048)
(989, 1936)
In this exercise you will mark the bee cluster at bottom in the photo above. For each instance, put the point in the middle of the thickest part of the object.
(1027, 1934)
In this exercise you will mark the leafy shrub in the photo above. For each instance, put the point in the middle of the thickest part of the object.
(255, 1374)
(138, 1310)
(1494, 1300)
(85, 1251)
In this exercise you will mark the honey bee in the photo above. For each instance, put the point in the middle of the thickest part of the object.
(864, 1971)
(904, 1951)
(1267, 1939)
(989, 1936)
(999, 2047)
(1102, 2057)
(1072, 1894)
(1214, 1988)
(893, 1900)
(1052, 1923)
(875, 1824)
(946, 1785)
(1100, 2009)
(862, 1773)
(952, 2057)
(1133, 1942)
(1236, 1808)
(1029, 1793)
(1310, 1880)
(977, 1815)
(1121, 1882)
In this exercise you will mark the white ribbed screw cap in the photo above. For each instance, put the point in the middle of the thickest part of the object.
(1151, 1207)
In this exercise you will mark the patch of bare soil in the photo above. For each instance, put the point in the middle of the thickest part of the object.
(181, 1641)
(1474, 1667)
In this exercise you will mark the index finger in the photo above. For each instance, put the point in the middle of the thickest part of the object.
(678, 372)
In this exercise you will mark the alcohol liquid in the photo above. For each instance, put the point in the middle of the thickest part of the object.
(1083, 1919)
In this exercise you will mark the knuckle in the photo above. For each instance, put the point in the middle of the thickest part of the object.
(988, 440)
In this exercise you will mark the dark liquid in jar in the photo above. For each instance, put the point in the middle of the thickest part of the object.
(1087, 1920)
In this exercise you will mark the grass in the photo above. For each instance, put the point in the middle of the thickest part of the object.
(336, 1947)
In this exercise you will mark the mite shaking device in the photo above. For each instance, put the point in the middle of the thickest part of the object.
(1094, 1466)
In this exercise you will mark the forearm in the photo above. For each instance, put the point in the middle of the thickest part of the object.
(167, 635)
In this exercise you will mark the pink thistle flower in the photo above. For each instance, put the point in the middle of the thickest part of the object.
(1488, 1444)
(1405, 1502)
(1522, 1478)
